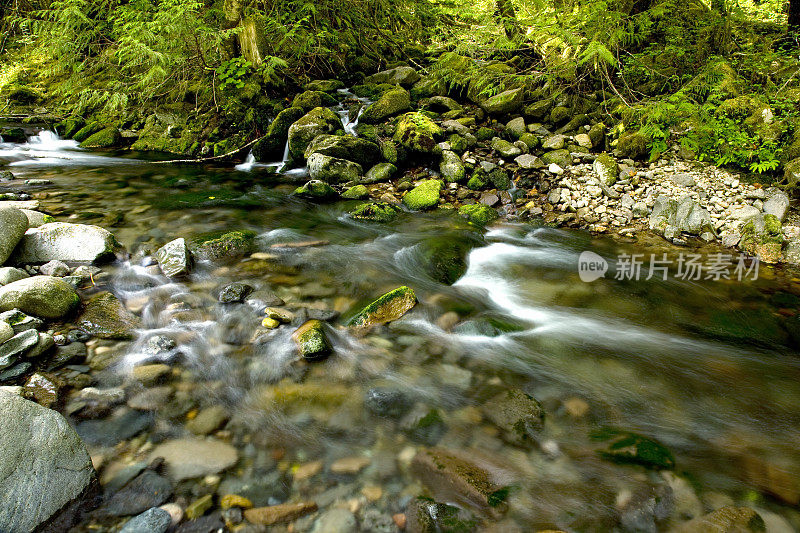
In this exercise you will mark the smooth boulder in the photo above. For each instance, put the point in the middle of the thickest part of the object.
(318, 121)
(107, 318)
(333, 170)
(41, 296)
(174, 258)
(46, 473)
(66, 242)
(13, 225)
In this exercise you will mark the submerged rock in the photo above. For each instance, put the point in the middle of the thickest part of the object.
(465, 478)
(174, 258)
(424, 196)
(191, 458)
(105, 317)
(278, 514)
(222, 246)
(14, 224)
(391, 306)
(726, 520)
(316, 190)
(519, 416)
(630, 448)
(46, 473)
(154, 520)
(145, 491)
(41, 296)
(428, 516)
(375, 212)
(66, 242)
(311, 340)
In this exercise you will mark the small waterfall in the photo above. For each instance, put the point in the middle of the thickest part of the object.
(248, 164)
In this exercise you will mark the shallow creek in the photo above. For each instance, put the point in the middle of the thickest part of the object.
(709, 369)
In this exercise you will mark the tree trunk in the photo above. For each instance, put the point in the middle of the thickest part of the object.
(794, 16)
(233, 14)
(508, 18)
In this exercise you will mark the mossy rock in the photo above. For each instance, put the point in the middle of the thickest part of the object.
(89, 129)
(389, 104)
(389, 307)
(505, 103)
(424, 196)
(457, 143)
(485, 134)
(417, 133)
(105, 138)
(356, 149)
(444, 259)
(559, 115)
(371, 90)
(531, 141)
(312, 341)
(428, 516)
(451, 167)
(632, 145)
(222, 246)
(24, 94)
(478, 214)
(308, 100)
(630, 448)
(106, 317)
(518, 415)
(606, 169)
(316, 190)
(13, 135)
(499, 178)
(479, 180)
(381, 172)
(357, 192)
(538, 110)
(70, 126)
(271, 147)
(333, 170)
(40, 296)
(375, 212)
(326, 86)
(318, 121)
(561, 158)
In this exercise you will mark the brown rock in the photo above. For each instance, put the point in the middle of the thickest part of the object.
(725, 520)
(349, 465)
(277, 514)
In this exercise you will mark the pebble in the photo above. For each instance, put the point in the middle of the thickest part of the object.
(349, 465)
(155, 520)
(277, 514)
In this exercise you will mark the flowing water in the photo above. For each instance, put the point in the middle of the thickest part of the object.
(708, 368)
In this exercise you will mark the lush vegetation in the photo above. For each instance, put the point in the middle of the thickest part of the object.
(664, 71)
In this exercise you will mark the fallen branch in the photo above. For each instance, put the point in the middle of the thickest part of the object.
(212, 158)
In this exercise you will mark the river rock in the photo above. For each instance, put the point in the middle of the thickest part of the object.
(335, 521)
(316, 190)
(529, 162)
(10, 275)
(318, 121)
(417, 133)
(145, 491)
(234, 293)
(154, 520)
(451, 167)
(45, 470)
(6, 331)
(519, 416)
(391, 306)
(20, 321)
(424, 196)
(390, 103)
(191, 458)
(333, 170)
(505, 102)
(777, 204)
(606, 169)
(505, 148)
(725, 520)
(271, 147)
(278, 514)
(309, 99)
(356, 149)
(312, 341)
(174, 258)
(685, 214)
(208, 420)
(37, 218)
(14, 348)
(380, 172)
(56, 269)
(66, 242)
(107, 318)
(405, 76)
(13, 224)
(222, 246)
(464, 477)
(41, 296)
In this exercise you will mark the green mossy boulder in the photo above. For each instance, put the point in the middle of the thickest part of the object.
(389, 104)
(222, 246)
(357, 192)
(519, 416)
(424, 196)
(365, 153)
(312, 341)
(418, 133)
(478, 214)
(311, 99)
(40, 296)
(451, 167)
(70, 126)
(333, 170)
(381, 172)
(505, 103)
(317, 190)
(375, 212)
(630, 448)
(562, 158)
(389, 307)
(89, 129)
(318, 121)
(606, 169)
(271, 147)
(402, 75)
(632, 145)
(105, 138)
(326, 86)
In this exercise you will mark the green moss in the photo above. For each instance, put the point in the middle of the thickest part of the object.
(311, 99)
(387, 308)
(271, 147)
(631, 448)
(318, 121)
(417, 132)
(222, 245)
(375, 212)
(317, 190)
(356, 193)
(479, 180)
(390, 103)
(485, 134)
(88, 130)
(632, 145)
(105, 138)
(311, 340)
(372, 91)
(478, 213)
(424, 196)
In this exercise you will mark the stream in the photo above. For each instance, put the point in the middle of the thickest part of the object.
(708, 368)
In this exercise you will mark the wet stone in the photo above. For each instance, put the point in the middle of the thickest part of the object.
(521, 417)
(311, 341)
(6, 332)
(207, 524)
(145, 491)
(153, 520)
(13, 348)
(20, 321)
(44, 389)
(74, 351)
(234, 293)
(277, 514)
(388, 402)
(57, 269)
(191, 458)
(12, 373)
(122, 425)
(208, 420)
(105, 317)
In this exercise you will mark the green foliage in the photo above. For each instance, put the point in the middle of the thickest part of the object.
(232, 73)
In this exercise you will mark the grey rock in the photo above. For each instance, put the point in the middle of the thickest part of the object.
(13, 348)
(234, 293)
(777, 204)
(66, 242)
(45, 469)
(174, 258)
(792, 252)
(145, 491)
(554, 142)
(516, 127)
(13, 224)
(685, 215)
(743, 212)
(529, 162)
(191, 458)
(153, 520)
(107, 318)
(6, 331)
(44, 344)
(20, 321)
(505, 102)
(122, 425)
(335, 521)
(57, 269)
(505, 148)
(683, 180)
(36, 218)
(10, 275)
(405, 76)
(451, 167)
(606, 169)
(332, 169)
